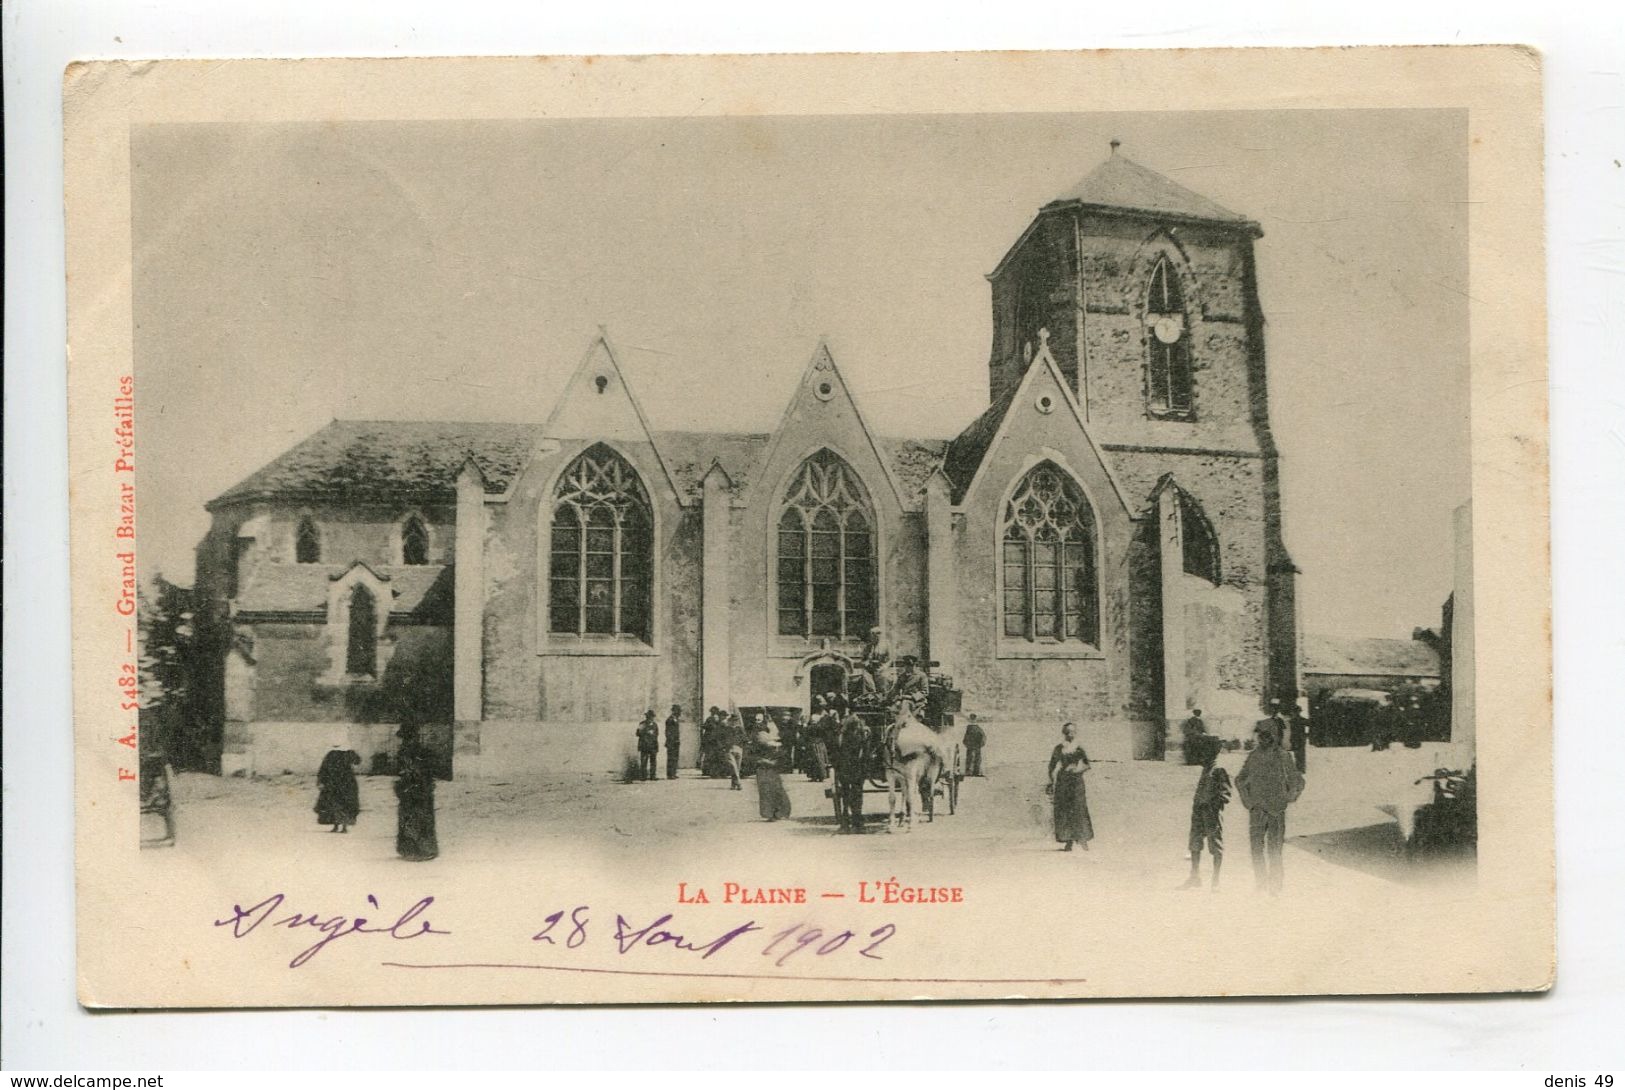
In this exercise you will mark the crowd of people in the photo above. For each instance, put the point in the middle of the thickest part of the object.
(835, 742)
(831, 742)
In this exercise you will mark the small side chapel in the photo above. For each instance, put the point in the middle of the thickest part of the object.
(1102, 544)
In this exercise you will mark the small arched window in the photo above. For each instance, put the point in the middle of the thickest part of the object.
(602, 549)
(1168, 362)
(361, 656)
(826, 553)
(1051, 589)
(414, 542)
(307, 542)
(1199, 543)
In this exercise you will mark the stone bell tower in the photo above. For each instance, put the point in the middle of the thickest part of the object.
(1148, 293)
(1144, 287)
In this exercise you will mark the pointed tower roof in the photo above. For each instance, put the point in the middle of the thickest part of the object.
(1121, 184)
(1121, 187)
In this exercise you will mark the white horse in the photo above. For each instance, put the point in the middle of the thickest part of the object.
(915, 756)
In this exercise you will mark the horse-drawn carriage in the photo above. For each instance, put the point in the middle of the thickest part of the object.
(916, 756)
(886, 769)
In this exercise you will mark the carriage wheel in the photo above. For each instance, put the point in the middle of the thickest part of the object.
(953, 790)
(881, 778)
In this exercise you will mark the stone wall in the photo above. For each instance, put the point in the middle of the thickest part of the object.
(821, 416)
(288, 676)
(1087, 274)
(274, 748)
(1036, 289)
(1119, 256)
(1228, 627)
(1094, 296)
(368, 533)
(530, 675)
(1036, 681)
(536, 749)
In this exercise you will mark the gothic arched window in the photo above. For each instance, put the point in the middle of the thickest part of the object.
(826, 553)
(602, 549)
(361, 656)
(414, 542)
(1168, 363)
(1198, 541)
(307, 543)
(1050, 583)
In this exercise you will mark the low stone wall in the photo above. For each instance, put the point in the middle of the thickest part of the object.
(1015, 741)
(271, 749)
(504, 748)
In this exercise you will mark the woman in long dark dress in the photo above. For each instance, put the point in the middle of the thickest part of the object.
(772, 802)
(414, 787)
(338, 796)
(818, 735)
(1067, 766)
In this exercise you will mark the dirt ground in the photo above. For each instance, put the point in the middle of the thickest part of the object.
(514, 855)
(1140, 812)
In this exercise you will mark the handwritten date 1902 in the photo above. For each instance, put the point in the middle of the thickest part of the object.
(570, 928)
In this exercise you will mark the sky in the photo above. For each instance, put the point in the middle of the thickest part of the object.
(289, 274)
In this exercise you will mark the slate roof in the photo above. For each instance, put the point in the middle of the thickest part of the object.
(389, 459)
(689, 455)
(394, 460)
(1120, 182)
(913, 460)
(1360, 656)
(964, 454)
(424, 590)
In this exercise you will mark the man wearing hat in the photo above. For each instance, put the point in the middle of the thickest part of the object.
(1289, 731)
(975, 739)
(648, 735)
(1268, 783)
(911, 685)
(851, 756)
(872, 662)
(1190, 730)
(674, 739)
(1297, 735)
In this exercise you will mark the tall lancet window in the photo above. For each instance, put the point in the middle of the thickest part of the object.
(1051, 589)
(307, 543)
(1198, 541)
(826, 553)
(1168, 364)
(414, 542)
(602, 549)
(361, 656)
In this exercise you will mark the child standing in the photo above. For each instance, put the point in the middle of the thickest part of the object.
(1207, 809)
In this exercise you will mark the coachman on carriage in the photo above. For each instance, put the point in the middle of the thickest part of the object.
(912, 746)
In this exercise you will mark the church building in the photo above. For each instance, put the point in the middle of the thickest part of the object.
(1103, 544)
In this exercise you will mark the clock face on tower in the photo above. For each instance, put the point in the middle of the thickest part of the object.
(1168, 328)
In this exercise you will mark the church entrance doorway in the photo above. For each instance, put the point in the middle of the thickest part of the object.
(827, 677)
